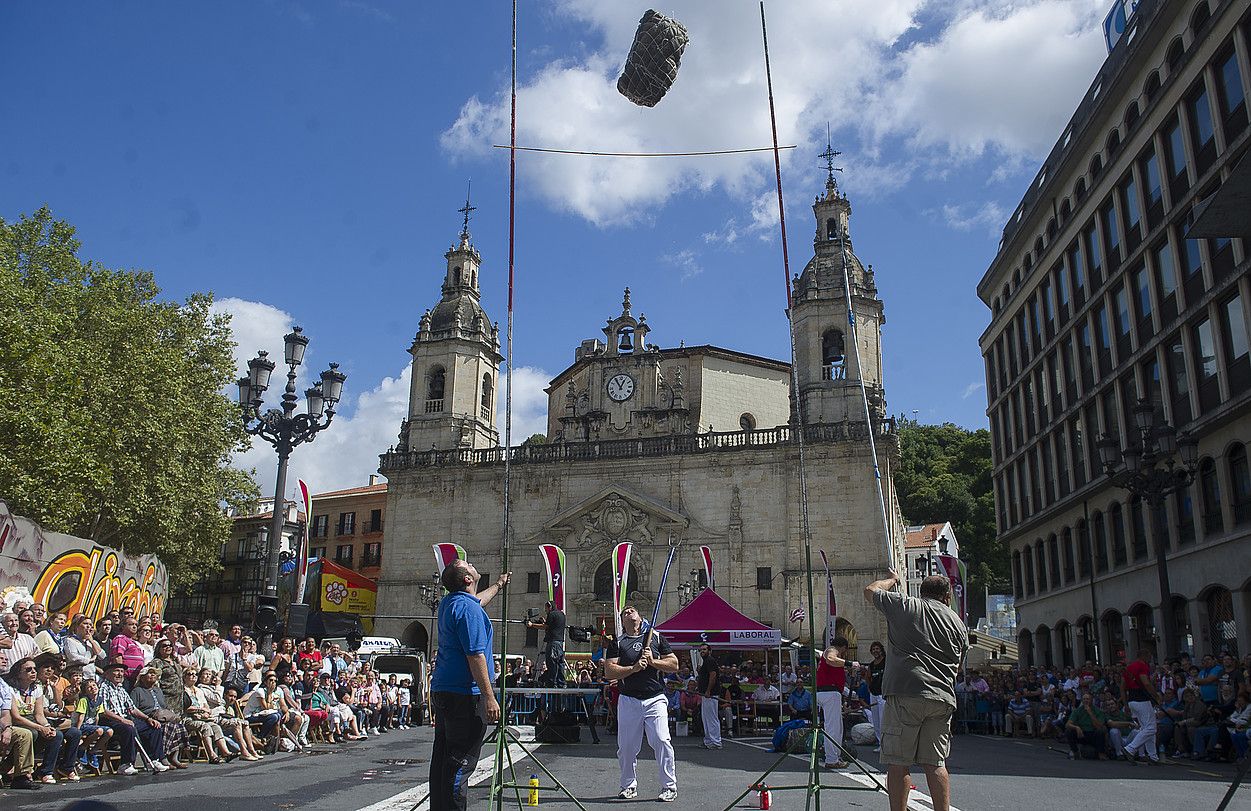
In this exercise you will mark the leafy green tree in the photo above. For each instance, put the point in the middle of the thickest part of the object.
(535, 439)
(115, 427)
(945, 475)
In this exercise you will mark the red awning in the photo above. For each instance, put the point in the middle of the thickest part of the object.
(709, 618)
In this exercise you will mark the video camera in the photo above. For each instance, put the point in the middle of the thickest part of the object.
(531, 615)
(581, 633)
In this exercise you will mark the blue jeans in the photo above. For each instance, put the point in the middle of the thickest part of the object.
(1240, 743)
(1204, 738)
(59, 752)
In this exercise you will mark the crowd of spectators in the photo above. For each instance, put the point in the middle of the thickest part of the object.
(1203, 711)
(127, 694)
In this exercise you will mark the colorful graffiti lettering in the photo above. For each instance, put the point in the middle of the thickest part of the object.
(77, 576)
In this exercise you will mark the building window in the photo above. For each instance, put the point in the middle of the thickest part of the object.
(343, 554)
(1119, 551)
(1230, 95)
(1206, 365)
(1018, 583)
(488, 397)
(321, 525)
(764, 578)
(1138, 524)
(1094, 258)
(372, 556)
(604, 577)
(1069, 574)
(1083, 551)
(435, 386)
(1053, 559)
(532, 582)
(1041, 562)
(1210, 490)
(532, 637)
(1240, 484)
(833, 357)
(317, 552)
(347, 524)
(1185, 517)
(484, 581)
(1101, 543)
(1028, 560)
(1234, 335)
(375, 521)
(1175, 157)
(1202, 132)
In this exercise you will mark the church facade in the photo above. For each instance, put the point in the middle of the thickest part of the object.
(647, 443)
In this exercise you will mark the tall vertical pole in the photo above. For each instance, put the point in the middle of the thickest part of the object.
(270, 597)
(1090, 570)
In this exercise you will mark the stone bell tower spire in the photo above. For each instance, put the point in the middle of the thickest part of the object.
(829, 367)
(456, 357)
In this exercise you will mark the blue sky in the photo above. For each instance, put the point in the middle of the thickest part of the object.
(304, 162)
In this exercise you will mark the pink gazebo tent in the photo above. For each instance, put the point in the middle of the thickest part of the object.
(709, 618)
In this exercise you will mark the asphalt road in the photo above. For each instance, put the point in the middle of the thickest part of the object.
(389, 774)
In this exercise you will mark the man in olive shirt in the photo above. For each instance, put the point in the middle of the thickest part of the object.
(927, 641)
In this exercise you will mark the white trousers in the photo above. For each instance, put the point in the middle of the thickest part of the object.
(831, 702)
(712, 721)
(877, 706)
(635, 717)
(1143, 742)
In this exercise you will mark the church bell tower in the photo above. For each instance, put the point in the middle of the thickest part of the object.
(829, 366)
(456, 358)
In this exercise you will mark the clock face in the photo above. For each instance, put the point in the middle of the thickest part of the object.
(620, 387)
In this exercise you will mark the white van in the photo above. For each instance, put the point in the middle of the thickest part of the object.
(370, 645)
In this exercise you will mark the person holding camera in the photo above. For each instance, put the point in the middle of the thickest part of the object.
(553, 625)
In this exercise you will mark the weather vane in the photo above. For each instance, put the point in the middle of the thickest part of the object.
(466, 210)
(830, 154)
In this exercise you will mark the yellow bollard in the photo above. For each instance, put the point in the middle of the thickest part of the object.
(533, 799)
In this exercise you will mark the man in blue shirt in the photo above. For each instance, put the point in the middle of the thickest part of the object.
(1209, 681)
(461, 690)
(800, 701)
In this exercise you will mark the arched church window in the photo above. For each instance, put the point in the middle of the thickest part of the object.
(488, 394)
(603, 581)
(833, 357)
(435, 385)
(456, 275)
(831, 228)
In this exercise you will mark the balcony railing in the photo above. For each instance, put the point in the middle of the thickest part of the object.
(712, 442)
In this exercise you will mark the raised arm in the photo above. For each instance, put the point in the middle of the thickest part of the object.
(488, 594)
(885, 584)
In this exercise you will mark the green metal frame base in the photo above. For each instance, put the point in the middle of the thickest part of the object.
(814, 786)
(501, 736)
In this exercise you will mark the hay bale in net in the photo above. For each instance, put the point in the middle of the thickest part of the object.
(652, 65)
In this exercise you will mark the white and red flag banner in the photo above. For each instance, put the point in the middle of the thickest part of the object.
(445, 553)
(831, 617)
(620, 579)
(958, 574)
(705, 554)
(798, 614)
(554, 561)
(304, 545)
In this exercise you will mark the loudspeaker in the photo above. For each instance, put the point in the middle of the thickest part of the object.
(297, 621)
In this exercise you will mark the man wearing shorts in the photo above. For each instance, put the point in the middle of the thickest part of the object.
(926, 642)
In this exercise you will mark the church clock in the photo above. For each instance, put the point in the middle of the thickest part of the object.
(620, 387)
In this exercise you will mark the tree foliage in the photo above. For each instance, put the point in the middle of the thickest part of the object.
(115, 427)
(945, 475)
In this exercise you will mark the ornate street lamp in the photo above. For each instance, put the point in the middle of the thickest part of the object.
(688, 590)
(431, 596)
(285, 430)
(1147, 468)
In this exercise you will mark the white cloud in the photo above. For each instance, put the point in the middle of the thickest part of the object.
(972, 389)
(1005, 76)
(687, 263)
(998, 75)
(256, 326)
(529, 403)
(990, 216)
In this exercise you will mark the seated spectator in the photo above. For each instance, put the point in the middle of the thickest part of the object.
(1207, 738)
(233, 717)
(274, 699)
(340, 718)
(80, 649)
(766, 700)
(169, 670)
(1120, 725)
(151, 700)
(308, 657)
(50, 637)
(1194, 714)
(1237, 724)
(18, 645)
(265, 710)
(689, 700)
(788, 678)
(1208, 679)
(1166, 716)
(94, 742)
(800, 701)
(29, 702)
(286, 684)
(199, 720)
(1019, 715)
(1087, 725)
(1048, 724)
(17, 743)
(125, 648)
(146, 638)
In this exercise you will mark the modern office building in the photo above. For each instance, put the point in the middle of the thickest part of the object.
(1100, 297)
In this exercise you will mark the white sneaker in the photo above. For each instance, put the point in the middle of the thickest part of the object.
(628, 793)
(128, 770)
(668, 795)
(304, 742)
(158, 766)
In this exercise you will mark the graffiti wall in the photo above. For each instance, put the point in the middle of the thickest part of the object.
(73, 575)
